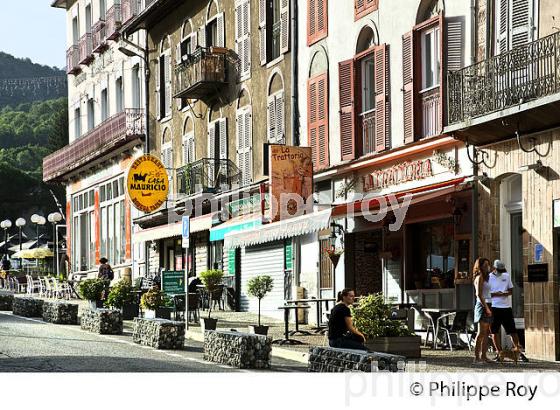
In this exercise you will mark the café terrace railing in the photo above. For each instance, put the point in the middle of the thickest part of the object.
(525, 73)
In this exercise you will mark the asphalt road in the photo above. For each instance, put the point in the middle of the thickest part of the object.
(31, 345)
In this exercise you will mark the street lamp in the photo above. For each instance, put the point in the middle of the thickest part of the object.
(20, 223)
(38, 220)
(5, 225)
(55, 218)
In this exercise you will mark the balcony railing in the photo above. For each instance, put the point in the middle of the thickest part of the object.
(86, 48)
(73, 60)
(430, 102)
(208, 175)
(201, 73)
(368, 127)
(130, 9)
(526, 73)
(112, 133)
(113, 22)
(99, 38)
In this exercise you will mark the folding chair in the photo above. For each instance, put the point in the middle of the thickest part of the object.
(430, 329)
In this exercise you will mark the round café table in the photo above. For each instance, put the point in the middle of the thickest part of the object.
(286, 339)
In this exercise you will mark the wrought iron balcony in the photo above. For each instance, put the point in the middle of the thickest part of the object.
(368, 133)
(430, 101)
(73, 60)
(208, 175)
(131, 8)
(525, 78)
(99, 39)
(113, 133)
(201, 74)
(86, 48)
(113, 22)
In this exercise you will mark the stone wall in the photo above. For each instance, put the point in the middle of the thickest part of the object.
(27, 307)
(159, 333)
(236, 349)
(62, 313)
(332, 360)
(365, 261)
(6, 301)
(102, 321)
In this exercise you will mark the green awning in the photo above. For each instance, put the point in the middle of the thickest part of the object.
(239, 224)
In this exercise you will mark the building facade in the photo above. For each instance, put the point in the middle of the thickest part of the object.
(106, 128)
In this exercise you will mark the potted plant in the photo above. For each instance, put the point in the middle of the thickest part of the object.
(121, 297)
(372, 317)
(151, 301)
(258, 287)
(92, 290)
(164, 311)
(211, 279)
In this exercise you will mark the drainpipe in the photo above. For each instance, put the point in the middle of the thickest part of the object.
(147, 141)
(294, 69)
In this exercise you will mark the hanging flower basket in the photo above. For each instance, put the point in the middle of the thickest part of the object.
(334, 255)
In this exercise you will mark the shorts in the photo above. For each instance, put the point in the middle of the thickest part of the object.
(503, 317)
(480, 313)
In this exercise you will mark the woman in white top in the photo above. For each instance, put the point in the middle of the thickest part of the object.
(482, 309)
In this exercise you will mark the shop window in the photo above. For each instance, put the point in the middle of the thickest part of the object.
(83, 238)
(112, 219)
(216, 255)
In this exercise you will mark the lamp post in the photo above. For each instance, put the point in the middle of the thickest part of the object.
(5, 225)
(38, 220)
(20, 223)
(55, 218)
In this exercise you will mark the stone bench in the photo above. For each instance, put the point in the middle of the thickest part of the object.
(102, 321)
(6, 301)
(62, 313)
(159, 333)
(236, 349)
(330, 359)
(27, 307)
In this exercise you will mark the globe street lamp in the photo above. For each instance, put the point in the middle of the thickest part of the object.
(38, 220)
(55, 218)
(20, 223)
(5, 225)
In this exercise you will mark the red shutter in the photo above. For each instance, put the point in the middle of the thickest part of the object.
(347, 115)
(408, 87)
(322, 19)
(317, 20)
(442, 79)
(381, 91)
(318, 120)
(311, 21)
(363, 7)
(312, 119)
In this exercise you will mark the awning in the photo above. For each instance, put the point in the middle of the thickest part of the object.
(237, 224)
(418, 195)
(198, 224)
(300, 225)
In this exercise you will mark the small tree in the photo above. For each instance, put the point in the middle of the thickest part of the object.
(258, 287)
(120, 295)
(92, 289)
(211, 279)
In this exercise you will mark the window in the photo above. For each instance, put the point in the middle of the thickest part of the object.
(102, 9)
(274, 29)
(136, 86)
(243, 37)
(217, 148)
(167, 160)
(104, 105)
(318, 120)
(88, 19)
(364, 7)
(317, 20)
(244, 144)
(77, 123)
(368, 84)
(430, 57)
(119, 95)
(216, 255)
(213, 33)
(112, 221)
(75, 30)
(276, 118)
(188, 148)
(83, 238)
(90, 115)
(163, 85)
(514, 23)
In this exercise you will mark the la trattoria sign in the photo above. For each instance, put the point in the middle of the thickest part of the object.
(398, 174)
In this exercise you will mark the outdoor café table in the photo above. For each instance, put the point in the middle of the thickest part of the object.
(287, 339)
(435, 314)
(320, 328)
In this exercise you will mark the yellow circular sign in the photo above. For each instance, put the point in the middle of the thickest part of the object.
(148, 184)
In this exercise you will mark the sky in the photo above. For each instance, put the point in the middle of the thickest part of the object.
(34, 29)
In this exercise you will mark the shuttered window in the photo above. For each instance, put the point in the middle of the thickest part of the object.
(188, 148)
(217, 143)
(364, 7)
(167, 82)
(276, 118)
(318, 120)
(274, 29)
(346, 74)
(167, 160)
(514, 24)
(243, 37)
(382, 117)
(244, 144)
(317, 20)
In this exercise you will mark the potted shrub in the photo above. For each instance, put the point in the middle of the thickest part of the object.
(372, 317)
(164, 311)
(92, 290)
(211, 279)
(121, 297)
(258, 287)
(151, 301)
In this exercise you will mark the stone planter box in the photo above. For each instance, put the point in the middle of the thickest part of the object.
(236, 349)
(27, 307)
(102, 321)
(334, 360)
(61, 313)
(159, 333)
(408, 346)
(6, 301)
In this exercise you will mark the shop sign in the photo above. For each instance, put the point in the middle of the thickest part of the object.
(147, 183)
(288, 251)
(537, 272)
(173, 282)
(398, 174)
(291, 180)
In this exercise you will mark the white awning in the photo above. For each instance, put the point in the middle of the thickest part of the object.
(289, 228)
(198, 224)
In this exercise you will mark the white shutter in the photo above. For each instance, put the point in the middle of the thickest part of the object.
(167, 71)
(502, 25)
(521, 22)
(194, 41)
(455, 44)
(240, 130)
(223, 138)
(248, 144)
(192, 153)
(202, 36)
(262, 31)
(221, 34)
(280, 118)
(242, 39)
(188, 148)
(158, 89)
(178, 54)
(284, 26)
(211, 140)
(271, 119)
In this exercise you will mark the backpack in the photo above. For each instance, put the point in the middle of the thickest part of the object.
(106, 272)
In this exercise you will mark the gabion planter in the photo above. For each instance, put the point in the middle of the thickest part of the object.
(236, 349)
(27, 307)
(159, 333)
(6, 301)
(332, 360)
(102, 321)
(61, 313)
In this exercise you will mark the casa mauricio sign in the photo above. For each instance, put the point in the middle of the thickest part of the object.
(398, 174)
(147, 183)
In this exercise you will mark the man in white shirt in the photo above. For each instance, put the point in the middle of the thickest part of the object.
(501, 289)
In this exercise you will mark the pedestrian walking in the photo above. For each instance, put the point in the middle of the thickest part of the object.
(482, 309)
(106, 273)
(342, 332)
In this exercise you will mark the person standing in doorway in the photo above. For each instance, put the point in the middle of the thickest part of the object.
(482, 309)
(342, 333)
(501, 290)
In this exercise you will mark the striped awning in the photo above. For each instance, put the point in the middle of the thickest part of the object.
(198, 224)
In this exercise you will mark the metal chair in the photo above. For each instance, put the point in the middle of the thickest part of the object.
(194, 306)
(458, 326)
(430, 329)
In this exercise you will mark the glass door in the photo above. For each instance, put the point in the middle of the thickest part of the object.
(516, 270)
